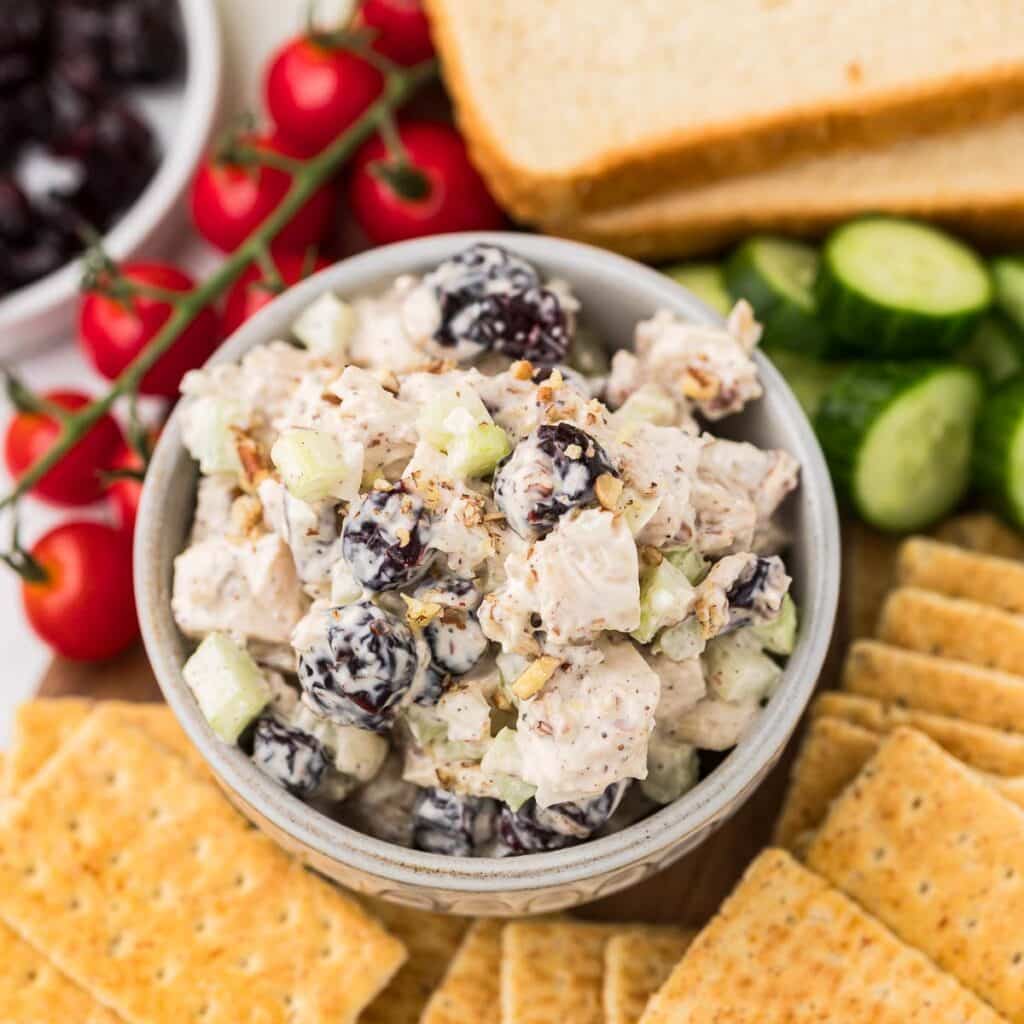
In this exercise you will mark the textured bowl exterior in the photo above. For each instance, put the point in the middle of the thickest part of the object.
(42, 311)
(615, 293)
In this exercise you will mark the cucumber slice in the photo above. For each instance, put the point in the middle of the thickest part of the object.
(227, 684)
(897, 437)
(896, 289)
(1008, 279)
(706, 281)
(999, 450)
(996, 349)
(776, 276)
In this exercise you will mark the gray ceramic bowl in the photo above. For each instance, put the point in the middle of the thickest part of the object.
(615, 294)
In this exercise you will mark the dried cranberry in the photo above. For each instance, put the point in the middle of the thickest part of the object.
(551, 471)
(534, 829)
(464, 286)
(525, 325)
(22, 38)
(289, 756)
(367, 666)
(451, 824)
(386, 540)
(145, 40)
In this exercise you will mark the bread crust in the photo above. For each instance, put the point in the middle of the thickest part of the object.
(698, 157)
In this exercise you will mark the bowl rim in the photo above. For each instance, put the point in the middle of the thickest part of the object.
(709, 803)
(22, 312)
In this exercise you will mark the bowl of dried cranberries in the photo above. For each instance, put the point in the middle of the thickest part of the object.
(106, 107)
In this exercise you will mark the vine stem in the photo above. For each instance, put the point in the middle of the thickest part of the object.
(400, 84)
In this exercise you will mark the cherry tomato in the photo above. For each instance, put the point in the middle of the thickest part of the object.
(456, 199)
(112, 332)
(85, 609)
(314, 91)
(230, 200)
(251, 292)
(403, 32)
(78, 478)
(124, 492)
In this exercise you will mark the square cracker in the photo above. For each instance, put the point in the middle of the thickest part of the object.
(32, 990)
(946, 626)
(42, 726)
(938, 856)
(832, 754)
(431, 941)
(952, 688)
(637, 963)
(971, 575)
(984, 749)
(471, 991)
(552, 972)
(786, 948)
(142, 884)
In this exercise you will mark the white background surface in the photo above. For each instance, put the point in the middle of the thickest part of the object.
(252, 28)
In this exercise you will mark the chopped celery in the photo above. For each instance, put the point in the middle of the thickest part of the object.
(227, 684)
(424, 724)
(505, 763)
(690, 561)
(682, 642)
(208, 433)
(477, 452)
(513, 791)
(672, 769)
(636, 510)
(779, 635)
(461, 750)
(738, 670)
(503, 754)
(315, 465)
(649, 404)
(452, 414)
(666, 597)
(357, 753)
(326, 326)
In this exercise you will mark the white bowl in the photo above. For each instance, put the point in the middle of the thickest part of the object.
(182, 118)
(615, 293)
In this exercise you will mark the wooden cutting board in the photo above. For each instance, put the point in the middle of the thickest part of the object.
(687, 892)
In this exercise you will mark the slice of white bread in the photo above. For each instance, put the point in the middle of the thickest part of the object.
(971, 181)
(573, 105)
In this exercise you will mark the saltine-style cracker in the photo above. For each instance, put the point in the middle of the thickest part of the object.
(955, 572)
(552, 971)
(637, 962)
(471, 990)
(42, 726)
(979, 531)
(951, 628)
(138, 880)
(980, 747)
(786, 948)
(832, 754)
(32, 990)
(955, 689)
(431, 941)
(938, 857)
